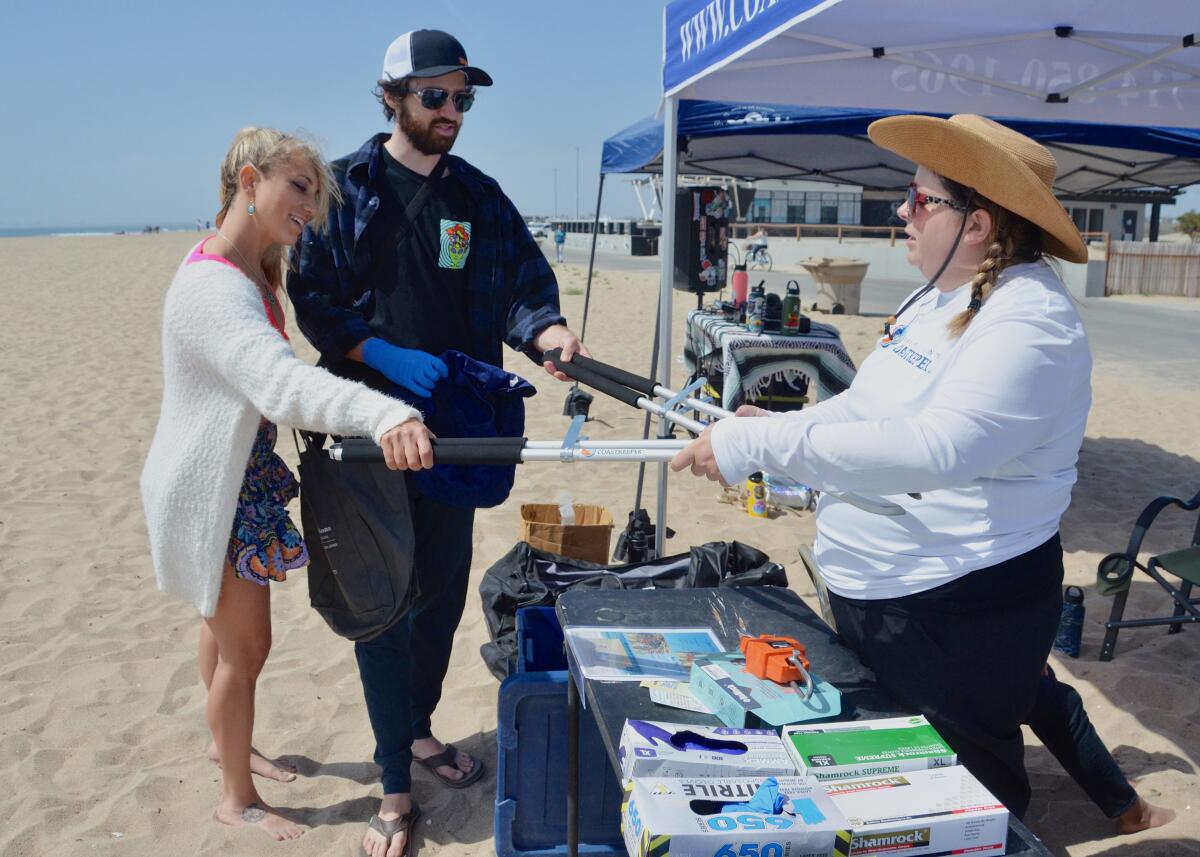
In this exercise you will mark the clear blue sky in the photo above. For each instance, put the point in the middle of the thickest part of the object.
(119, 113)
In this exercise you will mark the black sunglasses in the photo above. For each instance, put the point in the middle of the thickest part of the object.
(916, 197)
(432, 98)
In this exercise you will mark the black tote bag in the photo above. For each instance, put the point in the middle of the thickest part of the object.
(358, 530)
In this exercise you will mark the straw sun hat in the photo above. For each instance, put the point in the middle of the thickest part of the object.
(1008, 168)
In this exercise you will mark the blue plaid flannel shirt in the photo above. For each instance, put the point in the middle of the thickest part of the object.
(513, 292)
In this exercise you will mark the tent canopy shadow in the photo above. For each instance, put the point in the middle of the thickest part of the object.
(1105, 502)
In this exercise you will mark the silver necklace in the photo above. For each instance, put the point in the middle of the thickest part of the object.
(255, 277)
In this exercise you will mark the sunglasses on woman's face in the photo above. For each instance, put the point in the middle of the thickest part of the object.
(432, 98)
(916, 197)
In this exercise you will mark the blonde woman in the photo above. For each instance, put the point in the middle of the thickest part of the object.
(975, 398)
(213, 490)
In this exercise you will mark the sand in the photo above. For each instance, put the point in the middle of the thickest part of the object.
(101, 709)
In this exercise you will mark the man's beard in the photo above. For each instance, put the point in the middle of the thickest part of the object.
(423, 137)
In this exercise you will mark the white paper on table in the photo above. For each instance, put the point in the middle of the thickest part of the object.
(675, 694)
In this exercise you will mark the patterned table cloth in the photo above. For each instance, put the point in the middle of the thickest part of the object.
(747, 364)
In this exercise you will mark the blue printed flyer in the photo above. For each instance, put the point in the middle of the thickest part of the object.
(637, 654)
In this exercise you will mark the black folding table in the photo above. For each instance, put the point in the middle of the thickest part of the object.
(730, 613)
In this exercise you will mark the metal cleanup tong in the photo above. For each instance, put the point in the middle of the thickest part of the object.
(633, 390)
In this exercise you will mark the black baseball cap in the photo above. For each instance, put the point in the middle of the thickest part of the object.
(429, 53)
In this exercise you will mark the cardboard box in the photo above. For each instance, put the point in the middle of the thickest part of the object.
(943, 811)
(866, 748)
(586, 539)
(740, 700)
(685, 818)
(656, 749)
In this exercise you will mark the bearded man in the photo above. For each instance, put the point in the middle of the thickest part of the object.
(425, 254)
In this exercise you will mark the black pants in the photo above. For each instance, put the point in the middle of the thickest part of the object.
(968, 655)
(403, 668)
(1059, 721)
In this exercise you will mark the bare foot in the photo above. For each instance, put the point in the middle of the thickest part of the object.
(261, 816)
(463, 763)
(374, 843)
(281, 772)
(1143, 816)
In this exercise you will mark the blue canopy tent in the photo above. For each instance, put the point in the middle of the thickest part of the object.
(759, 141)
(1082, 61)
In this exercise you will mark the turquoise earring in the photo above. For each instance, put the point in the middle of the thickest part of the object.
(250, 208)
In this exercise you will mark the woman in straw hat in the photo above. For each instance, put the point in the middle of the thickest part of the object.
(975, 401)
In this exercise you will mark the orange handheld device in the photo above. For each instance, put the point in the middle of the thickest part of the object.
(779, 659)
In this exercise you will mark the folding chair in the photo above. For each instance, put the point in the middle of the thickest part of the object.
(1115, 574)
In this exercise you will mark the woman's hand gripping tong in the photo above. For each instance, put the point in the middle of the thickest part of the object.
(779, 659)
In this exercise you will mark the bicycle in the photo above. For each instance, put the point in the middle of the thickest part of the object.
(758, 260)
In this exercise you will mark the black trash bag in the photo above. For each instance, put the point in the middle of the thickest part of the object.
(359, 533)
(527, 577)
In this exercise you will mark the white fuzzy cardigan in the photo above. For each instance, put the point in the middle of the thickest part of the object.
(224, 365)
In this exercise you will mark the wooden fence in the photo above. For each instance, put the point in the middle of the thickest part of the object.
(1139, 268)
(827, 230)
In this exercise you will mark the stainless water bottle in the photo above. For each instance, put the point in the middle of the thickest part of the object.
(1070, 623)
(791, 309)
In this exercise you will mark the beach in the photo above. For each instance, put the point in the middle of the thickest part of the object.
(102, 731)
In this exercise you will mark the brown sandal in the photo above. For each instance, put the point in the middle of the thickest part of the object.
(387, 828)
(449, 758)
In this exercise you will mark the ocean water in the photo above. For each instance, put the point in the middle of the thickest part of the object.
(24, 232)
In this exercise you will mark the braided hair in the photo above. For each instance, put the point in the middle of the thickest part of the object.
(1014, 241)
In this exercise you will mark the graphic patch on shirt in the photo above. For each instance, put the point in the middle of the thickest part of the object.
(456, 244)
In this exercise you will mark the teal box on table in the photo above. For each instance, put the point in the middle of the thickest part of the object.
(743, 700)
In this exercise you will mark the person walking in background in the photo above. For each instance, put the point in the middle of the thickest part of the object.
(212, 487)
(426, 255)
(560, 241)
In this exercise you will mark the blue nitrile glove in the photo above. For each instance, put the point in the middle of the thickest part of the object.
(767, 800)
(407, 367)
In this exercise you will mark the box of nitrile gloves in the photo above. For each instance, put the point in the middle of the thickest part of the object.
(650, 748)
(703, 817)
(866, 748)
(943, 811)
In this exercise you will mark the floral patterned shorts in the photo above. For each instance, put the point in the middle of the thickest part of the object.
(265, 543)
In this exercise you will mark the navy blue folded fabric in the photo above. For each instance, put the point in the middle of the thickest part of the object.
(475, 400)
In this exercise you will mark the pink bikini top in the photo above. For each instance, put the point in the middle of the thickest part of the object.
(198, 255)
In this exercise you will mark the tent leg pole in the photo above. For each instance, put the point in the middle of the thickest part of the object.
(637, 499)
(587, 292)
(667, 259)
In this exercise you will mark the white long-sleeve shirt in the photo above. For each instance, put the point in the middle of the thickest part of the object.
(987, 428)
(223, 366)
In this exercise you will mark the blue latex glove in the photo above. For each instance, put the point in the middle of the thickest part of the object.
(407, 367)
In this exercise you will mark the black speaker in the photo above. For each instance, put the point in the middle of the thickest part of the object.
(701, 238)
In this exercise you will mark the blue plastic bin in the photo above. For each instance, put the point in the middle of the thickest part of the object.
(531, 774)
(539, 641)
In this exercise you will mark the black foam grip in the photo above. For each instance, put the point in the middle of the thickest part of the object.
(645, 386)
(593, 379)
(448, 450)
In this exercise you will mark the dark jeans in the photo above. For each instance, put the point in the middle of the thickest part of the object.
(1059, 721)
(403, 668)
(968, 655)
